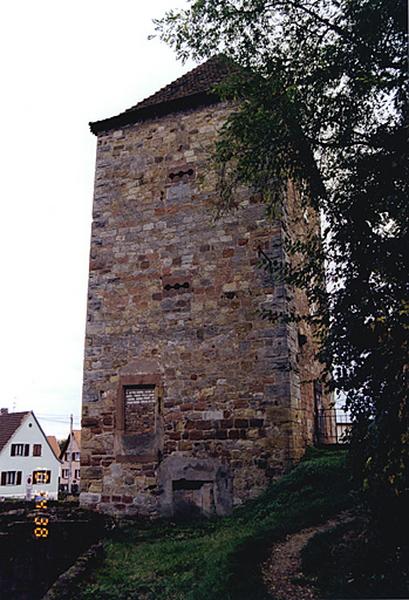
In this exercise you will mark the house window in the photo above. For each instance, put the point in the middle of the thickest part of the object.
(66, 456)
(11, 478)
(77, 474)
(42, 476)
(139, 408)
(36, 449)
(65, 473)
(20, 449)
(76, 456)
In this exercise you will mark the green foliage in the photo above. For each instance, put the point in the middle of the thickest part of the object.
(219, 559)
(322, 99)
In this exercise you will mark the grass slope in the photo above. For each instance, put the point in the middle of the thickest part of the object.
(219, 559)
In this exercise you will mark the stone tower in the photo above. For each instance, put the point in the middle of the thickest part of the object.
(192, 402)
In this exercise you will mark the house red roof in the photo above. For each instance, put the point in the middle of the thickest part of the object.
(77, 436)
(193, 89)
(52, 440)
(9, 423)
(76, 433)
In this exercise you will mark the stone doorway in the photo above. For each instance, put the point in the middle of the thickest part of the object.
(192, 486)
(193, 498)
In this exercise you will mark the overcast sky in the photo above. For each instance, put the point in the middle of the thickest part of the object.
(63, 64)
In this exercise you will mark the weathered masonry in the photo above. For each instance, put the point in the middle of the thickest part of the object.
(192, 402)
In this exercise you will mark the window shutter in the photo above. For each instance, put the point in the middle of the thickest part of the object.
(13, 451)
(3, 478)
(18, 478)
(26, 449)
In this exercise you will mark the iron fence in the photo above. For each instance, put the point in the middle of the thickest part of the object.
(332, 426)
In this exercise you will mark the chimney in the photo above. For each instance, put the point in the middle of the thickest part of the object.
(4, 411)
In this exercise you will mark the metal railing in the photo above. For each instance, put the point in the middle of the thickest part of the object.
(332, 426)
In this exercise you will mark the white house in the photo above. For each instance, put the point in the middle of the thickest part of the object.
(28, 464)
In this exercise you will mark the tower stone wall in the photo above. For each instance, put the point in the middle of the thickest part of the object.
(192, 401)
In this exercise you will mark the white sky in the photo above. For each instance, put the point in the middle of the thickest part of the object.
(63, 64)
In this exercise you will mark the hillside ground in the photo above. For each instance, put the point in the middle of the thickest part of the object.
(220, 558)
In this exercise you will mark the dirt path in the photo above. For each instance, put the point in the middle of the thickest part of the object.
(283, 568)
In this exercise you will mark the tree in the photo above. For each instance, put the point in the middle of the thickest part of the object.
(322, 100)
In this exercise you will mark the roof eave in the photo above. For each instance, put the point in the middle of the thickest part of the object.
(156, 110)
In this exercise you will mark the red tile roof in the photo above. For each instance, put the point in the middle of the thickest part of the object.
(52, 440)
(77, 436)
(9, 423)
(193, 89)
